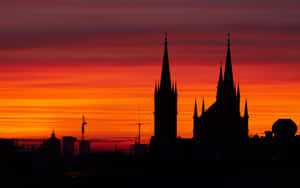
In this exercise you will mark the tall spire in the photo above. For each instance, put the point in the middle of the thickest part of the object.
(220, 84)
(165, 82)
(246, 110)
(228, 76)
(195, 109)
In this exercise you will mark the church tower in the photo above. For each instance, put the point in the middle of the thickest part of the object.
(222, 121)
(165, 103)
(229, 92)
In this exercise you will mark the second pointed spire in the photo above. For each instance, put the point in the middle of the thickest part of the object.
(165, 82)
(228, 75)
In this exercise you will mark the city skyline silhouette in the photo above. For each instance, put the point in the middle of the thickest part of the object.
(220, 131)
(149, 124)
(149, 93)
(62, 64)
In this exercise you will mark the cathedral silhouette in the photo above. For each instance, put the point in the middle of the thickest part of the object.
(218, 130)
(222, 121)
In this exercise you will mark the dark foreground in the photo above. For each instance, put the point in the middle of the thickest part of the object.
(161, 174)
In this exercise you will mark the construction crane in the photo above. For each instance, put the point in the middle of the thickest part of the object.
(82, 126)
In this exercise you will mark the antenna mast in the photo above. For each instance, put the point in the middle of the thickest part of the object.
(82, 127)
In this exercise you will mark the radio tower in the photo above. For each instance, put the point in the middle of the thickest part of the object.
(82, 127)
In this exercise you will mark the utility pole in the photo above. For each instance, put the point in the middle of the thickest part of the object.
(139, 125)
(139, 138)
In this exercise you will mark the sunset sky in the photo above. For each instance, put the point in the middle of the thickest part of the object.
(60, 59)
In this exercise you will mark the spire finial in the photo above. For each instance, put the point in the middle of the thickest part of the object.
(228, 39)
(165, 82)
(53, 133)
(166, 38)
(229, 87)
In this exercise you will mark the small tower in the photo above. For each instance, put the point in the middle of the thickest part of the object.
(82, 127)
(53, 134)
(195, 110)
(220, 85)
(196, 121)
(246, 116)
(203, 107)
(84, 145)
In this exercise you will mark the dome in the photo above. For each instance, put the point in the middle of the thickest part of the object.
(284, 128)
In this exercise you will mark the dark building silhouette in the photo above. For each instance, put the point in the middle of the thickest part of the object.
(138, 150)
(68, 146)
(284, 129)
(6, 147)
(278, 144)
(165, 103)
(268, 135)
(7, 144)
(222, 122)
(84, 147)
(68, 150)
(47, 158)
(52, 145)
(165, 111)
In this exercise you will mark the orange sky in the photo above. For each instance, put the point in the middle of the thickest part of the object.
(62, 59)
(40, 98)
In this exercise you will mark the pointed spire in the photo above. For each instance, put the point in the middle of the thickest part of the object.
(195, 109)
(203, 106)
(175, 87)
(220, 83)
(155, 87)
(246, 110)
(228, 75)
(165, 82)
(238, 90)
